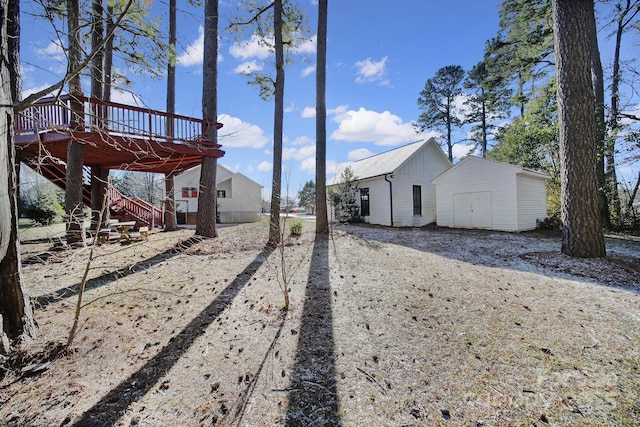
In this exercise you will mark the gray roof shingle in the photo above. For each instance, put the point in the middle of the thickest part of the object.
(380, 164)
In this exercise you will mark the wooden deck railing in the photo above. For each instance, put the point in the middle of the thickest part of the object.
(123, 120)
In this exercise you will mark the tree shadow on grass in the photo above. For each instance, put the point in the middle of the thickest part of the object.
(112, 406)
(313, 395)
(107, 278)
(533, 251)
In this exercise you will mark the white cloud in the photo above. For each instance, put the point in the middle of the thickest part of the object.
(248, 67)
(308, 113)
(194, 53)
(236, 133)
(27, 92)
(307, 71)
(634, 112)
(302, 140)
(461, 150)
(299, 153)
(54, 50)
(308, 165)
(370, 126)
(291, 108)
(307, 46)
(359, 154)
(261, 48)
(256, 47)
(265, 166)
(338, 112)
(460, 109)
(371, 72)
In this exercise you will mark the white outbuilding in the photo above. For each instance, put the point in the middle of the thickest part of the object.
(395, 186)
(490, 195)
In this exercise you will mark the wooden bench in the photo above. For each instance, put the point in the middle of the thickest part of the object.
(144, 232)
(103, 235)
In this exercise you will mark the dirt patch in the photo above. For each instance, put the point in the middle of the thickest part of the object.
(385, 327)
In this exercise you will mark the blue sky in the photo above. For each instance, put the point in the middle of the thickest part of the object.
(380, 54)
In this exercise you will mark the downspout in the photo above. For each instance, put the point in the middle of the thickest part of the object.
(390, 196)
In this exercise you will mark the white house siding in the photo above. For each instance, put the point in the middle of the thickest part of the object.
(531, 201)
(420, 169)
(189, 179)
(379, 210)
(243, 201)
(243, 196)
(403, 201)
(473, 179)
(478, 177)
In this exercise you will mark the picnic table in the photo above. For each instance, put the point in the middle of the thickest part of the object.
(124, 228)
(124, 231)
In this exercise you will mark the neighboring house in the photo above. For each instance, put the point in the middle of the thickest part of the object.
(395, 186)
(239, 198)
(485, 194)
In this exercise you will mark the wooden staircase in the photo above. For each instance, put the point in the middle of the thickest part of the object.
(134, 209)
(56, 173)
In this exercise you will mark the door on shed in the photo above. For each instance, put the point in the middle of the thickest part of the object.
(472, 210)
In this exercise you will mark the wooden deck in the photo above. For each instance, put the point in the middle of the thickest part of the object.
(115, 136)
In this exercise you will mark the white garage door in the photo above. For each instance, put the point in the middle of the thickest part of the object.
(472, 210)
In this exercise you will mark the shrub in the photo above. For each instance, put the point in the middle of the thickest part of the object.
(45, 210)
(550, 223)
(343, 197)
(296, 228)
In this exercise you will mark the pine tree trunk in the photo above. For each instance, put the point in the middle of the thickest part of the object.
(581, 229)
(170, 220)
(597, 80)
(278, 120)
(16, 317)
(206, 216)
(108, 56)
(97, 63)
(322, 220)
(13, 29)
(99, 197)
(75, 151)
(483, 124)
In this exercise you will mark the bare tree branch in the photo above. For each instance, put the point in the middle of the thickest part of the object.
(28, 101)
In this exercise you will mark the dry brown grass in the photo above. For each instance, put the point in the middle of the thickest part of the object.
(386, 328)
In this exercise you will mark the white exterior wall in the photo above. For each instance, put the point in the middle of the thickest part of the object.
(190, 178)
(476, 177)
(517, 199)
(419, 170)
(403, 201)
(243, 196)
(532, 201)
(378, 200)
(243, 201)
